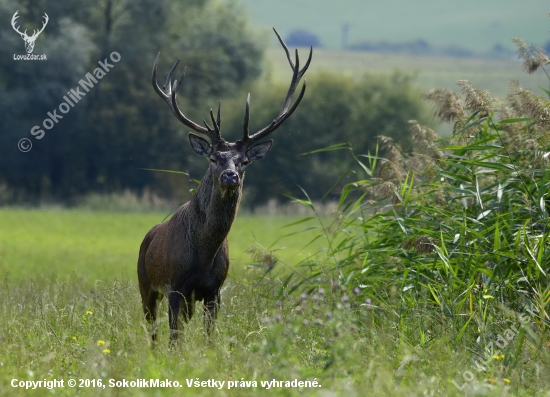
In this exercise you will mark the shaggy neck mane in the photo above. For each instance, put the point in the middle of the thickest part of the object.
(214, 210)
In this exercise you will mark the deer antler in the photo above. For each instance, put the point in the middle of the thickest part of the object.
(285, 111)
(169, 96)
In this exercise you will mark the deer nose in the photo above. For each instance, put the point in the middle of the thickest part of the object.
(229, 178)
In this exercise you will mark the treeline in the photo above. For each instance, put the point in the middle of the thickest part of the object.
(424, 48)
(120, 125)
(419, 47)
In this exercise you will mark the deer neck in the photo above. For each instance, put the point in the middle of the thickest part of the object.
(214, 212)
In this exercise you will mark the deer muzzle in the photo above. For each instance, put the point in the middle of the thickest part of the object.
(229, 179)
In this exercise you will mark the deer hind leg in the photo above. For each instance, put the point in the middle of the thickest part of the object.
(211, 307)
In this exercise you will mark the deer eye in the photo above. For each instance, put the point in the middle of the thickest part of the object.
(213, 159)
(245, 162)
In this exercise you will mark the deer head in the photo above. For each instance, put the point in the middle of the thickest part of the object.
(229, 160)
(29, 40)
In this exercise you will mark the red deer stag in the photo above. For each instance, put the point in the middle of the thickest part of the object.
(186, 258)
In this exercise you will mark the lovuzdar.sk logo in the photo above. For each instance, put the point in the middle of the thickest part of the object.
(29, 40)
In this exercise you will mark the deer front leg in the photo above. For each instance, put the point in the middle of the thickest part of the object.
(178, 303)
(150, 305)
(211, 307)
(174, 305)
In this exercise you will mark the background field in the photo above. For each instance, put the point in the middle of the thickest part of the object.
(477, 25)
(431, 72)
(104, 245)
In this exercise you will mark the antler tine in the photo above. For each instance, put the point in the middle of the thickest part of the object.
(216, 125)
(177, 83)
(169, 77)
(295, 80)
(167, 93)
(154, 79)
(184, 120)
(293, 83)
(279, 121)
(306, 66)
(216, 131)
(169, 96)
(207, 126)
(285, 48)
(285, 112)
(219, 119)
(246, 119)
(288, 54)
(297, 66)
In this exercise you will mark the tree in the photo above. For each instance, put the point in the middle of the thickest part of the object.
(303, 38)
(120, 125)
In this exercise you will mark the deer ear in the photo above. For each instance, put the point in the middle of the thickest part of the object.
(259, 151)
(199, 145)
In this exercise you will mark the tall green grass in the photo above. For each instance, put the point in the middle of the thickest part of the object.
(61, 330)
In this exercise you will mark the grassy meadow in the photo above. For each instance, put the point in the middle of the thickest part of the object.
(71, 310)
(61, 330)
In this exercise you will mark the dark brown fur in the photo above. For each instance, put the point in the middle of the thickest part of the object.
(187, 257)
